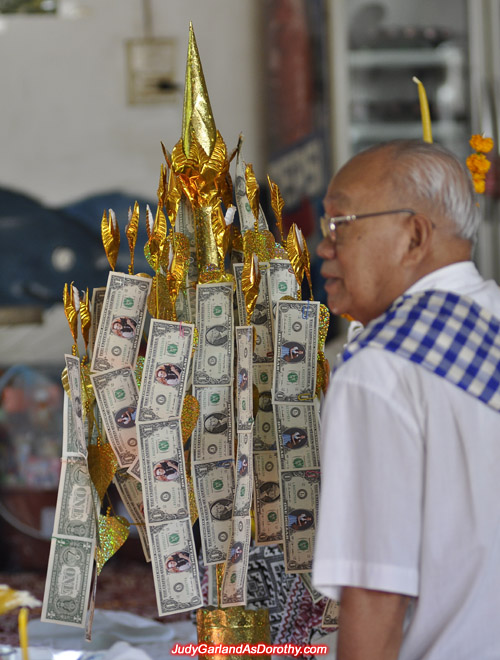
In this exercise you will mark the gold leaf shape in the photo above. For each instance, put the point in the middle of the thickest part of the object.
(113, 532)
(102, 466)
(160, 224)
(197, 118)
(298, 255)
(250, 283)
(131, 231)
(259, 242)
(162, 186)
(110, 233)
(85, 318)
(252, 192)
(277, 204)
(173, 198)
(70, 310)
(189, 416)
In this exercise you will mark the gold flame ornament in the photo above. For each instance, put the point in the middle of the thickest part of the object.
(71, 302)
(110, 233)
(252, 192)
(162, 186)
(298, 254)
(250, 283)
(277, 204)
(197, 117)
(85, 318)
(131, 231)
(424, 111)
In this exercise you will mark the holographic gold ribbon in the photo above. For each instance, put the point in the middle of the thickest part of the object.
(233, 626)
(323, 374)
(113, 532)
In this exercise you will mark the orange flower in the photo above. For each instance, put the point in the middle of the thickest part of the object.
(481, 144)
(478, 164)
(479, 185)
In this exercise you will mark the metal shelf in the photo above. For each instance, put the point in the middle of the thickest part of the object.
(402, 58)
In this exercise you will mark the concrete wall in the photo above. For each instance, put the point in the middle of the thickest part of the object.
(66, 129)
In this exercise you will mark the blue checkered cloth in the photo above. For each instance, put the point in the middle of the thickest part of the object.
(447, 334)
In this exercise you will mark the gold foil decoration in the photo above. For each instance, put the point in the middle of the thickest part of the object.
(250, 283)
(222, 232)
(139, 367)
(85, 318)
(206, 247)
(162, 186)
(298, 255)
(233, 626)
(323, 374)
(277, 204)
(178, 268)
(113, 532)
(261, 243)
(71, 307)
(197, 116)
(159, 302)
(110, 233)
(236, 238)
(131, 231)
(193, 509)
(102, 466)
(149, 222)
(189, 416)
(88, 396)
(252, 193)
(65, 381)
(173, 198)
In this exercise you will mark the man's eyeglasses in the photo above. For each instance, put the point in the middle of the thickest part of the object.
(329, 225)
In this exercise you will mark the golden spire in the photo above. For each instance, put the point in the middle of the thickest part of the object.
(197, 115)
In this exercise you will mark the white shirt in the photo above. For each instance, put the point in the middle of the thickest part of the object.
(410, 499)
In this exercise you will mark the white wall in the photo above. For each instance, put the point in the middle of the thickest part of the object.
(66, 129)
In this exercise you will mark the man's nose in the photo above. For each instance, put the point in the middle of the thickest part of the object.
(327, 249)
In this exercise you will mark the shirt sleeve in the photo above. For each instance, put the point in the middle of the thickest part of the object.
(369, 523)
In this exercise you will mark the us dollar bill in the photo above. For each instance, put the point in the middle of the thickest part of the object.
(234, 583)
(244, 376)
(182, 307)
(244, 475)
(135, 469)
(213, 359)
(214, 491)
(316, 596)
(71, 444)
(67, 585)
(122, 320)
(296, 356)
(163, 471)
(130, 491)
(300, 499)
(96, 306)
(261, 316)
(331, 614)
(268, 520)
(247, 219)
(212, 438)
(78, 441)
(175, 567)
(281, 282)
(166, 370)
(264, 432)
(77, 501)
(297, 430)
(117, 396)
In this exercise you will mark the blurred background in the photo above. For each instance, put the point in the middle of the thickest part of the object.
(89, 88)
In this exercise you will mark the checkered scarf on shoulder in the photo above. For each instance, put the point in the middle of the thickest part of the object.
(449, 335)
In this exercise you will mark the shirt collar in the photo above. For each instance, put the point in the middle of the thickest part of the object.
(462, 277)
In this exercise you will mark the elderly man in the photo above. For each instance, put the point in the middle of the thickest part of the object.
(409, 523)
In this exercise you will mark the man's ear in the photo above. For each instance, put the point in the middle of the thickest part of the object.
(420, 233)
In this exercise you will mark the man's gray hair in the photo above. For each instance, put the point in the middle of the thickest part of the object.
(434, 174)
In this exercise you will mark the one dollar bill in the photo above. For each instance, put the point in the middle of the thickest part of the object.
(234, 584)
(122, 320)
(268, 520)
(295, 360)
(67, 586)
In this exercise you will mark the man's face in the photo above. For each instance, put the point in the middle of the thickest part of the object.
(362, 263)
